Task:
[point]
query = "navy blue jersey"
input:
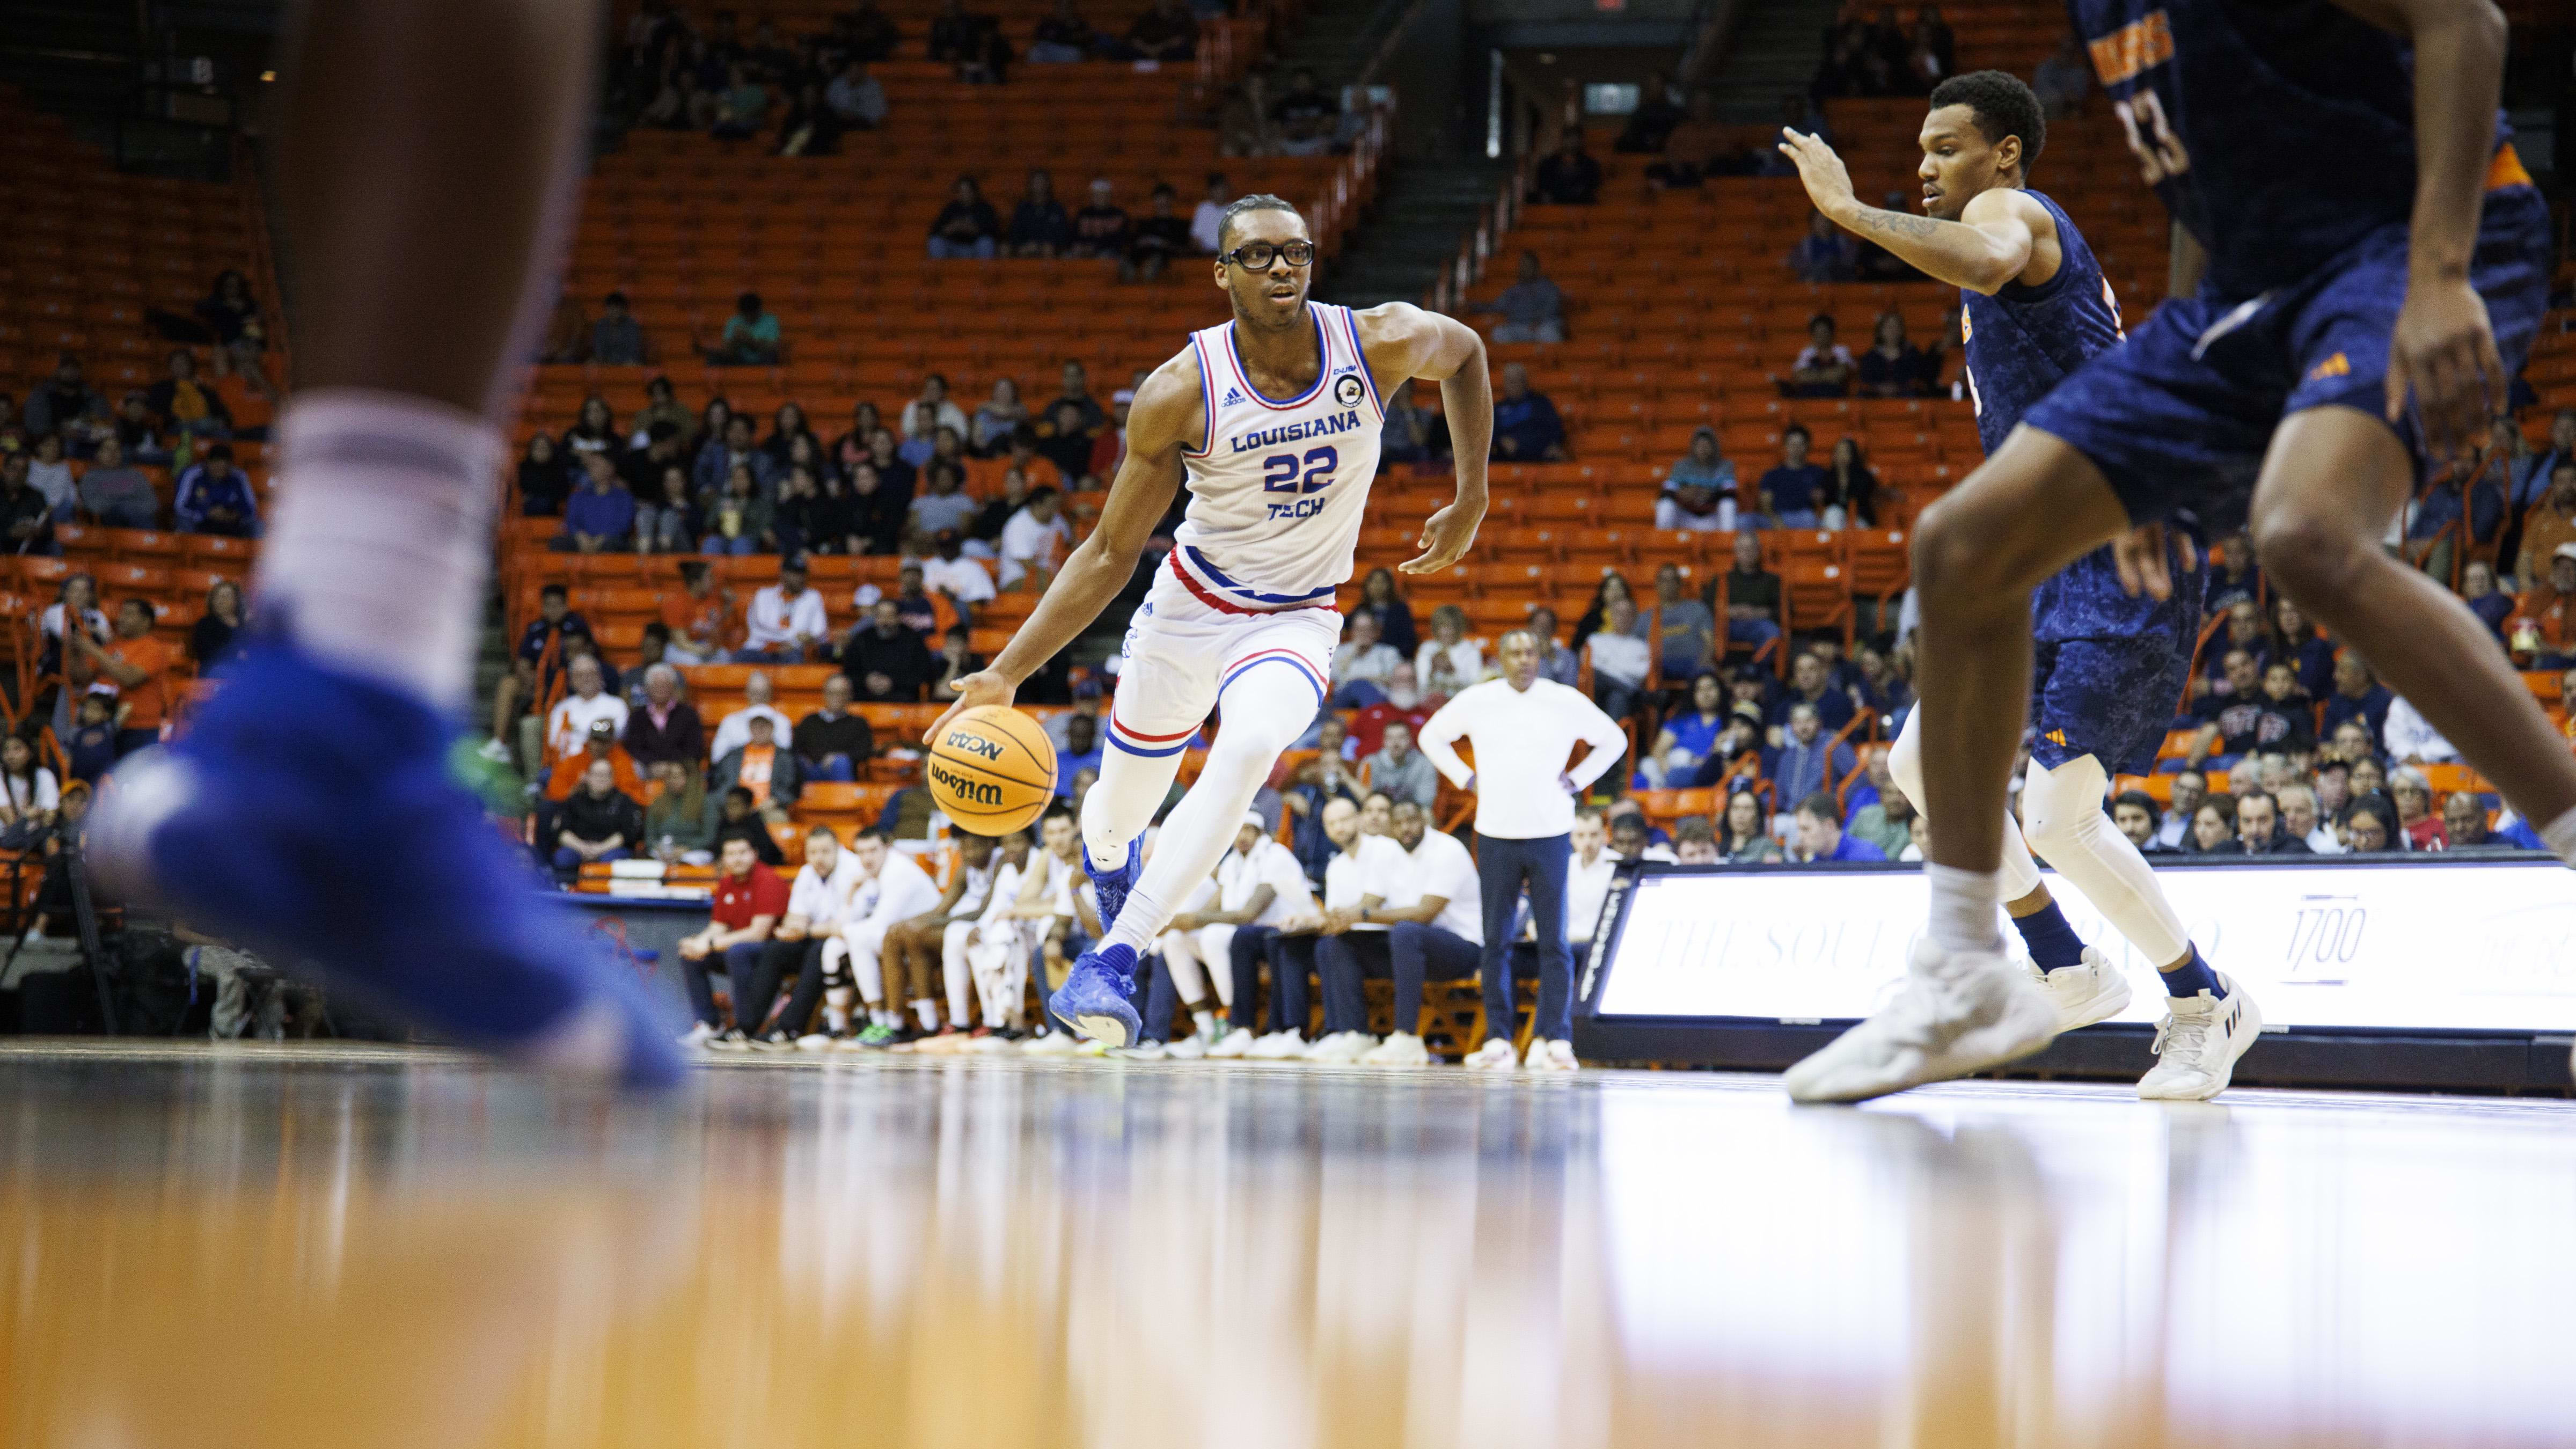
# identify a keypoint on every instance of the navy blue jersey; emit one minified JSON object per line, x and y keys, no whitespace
{"x":2280,"y":133}
{"x":2022,"y":340}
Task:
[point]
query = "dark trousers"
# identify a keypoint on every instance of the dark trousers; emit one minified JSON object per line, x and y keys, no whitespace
{"x":1342,"y":961}
{"x":741,"y":963}
{"x":777,"y":960}
{"x":1291,"y":958}
{"x":1421,"y":953}
{"x":1502,"y":866}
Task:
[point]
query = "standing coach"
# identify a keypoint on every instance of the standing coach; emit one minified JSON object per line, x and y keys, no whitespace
{"x":1524,"y":728}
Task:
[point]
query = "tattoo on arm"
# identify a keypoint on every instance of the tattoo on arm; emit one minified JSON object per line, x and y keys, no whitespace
{"x":1899,"y":223}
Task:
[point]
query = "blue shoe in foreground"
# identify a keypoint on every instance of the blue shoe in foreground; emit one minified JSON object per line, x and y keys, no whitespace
{"x":309,"y":815}
{"x":1112,"y":886}
{"x":1094,"y":997}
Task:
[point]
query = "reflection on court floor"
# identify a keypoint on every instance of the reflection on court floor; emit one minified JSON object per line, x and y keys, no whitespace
{"x":355,"y":1248}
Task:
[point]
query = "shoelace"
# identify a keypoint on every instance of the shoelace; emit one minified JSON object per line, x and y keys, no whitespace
{"x":2188,"y":1035}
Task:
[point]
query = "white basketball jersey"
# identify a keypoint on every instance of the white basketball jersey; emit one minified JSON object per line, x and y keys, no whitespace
{"x":1278,"y":487}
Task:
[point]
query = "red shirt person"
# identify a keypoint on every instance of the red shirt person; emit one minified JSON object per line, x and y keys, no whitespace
{"x":750,"y":900}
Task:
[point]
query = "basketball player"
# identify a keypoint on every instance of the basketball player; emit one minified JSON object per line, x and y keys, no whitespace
{"x":427,"y":173}
{"x":2367,"y":257}
{"x":2110,"y":666}
{"x":1273,"y":420}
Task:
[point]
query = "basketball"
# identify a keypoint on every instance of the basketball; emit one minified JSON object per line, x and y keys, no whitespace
{"x":992,"y":770}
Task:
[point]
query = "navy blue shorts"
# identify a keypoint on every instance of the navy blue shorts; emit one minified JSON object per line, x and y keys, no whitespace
{"x":2178,"y":417}
{"x":2113,"y":699}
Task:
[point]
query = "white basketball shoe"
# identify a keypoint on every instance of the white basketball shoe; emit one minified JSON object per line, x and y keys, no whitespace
{"x":2091,"y":990}
{"x":2198,"y":1042}
{"x":1958,"y":1012}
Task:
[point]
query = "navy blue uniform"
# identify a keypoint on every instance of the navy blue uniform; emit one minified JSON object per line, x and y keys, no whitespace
{"x":2281,"y":135}
{"x":2109,"y":666}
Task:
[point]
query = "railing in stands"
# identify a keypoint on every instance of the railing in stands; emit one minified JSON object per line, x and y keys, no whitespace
{"x":1229,"y":47}
{"x":1354,"y":182}
{"x":1468,"y":267}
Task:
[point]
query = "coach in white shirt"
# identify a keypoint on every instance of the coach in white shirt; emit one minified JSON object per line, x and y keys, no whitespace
{"x":568,"y":725}
{"x":815,"y":905}
{"x":786,"y":620}
{"x":1524,"y":728}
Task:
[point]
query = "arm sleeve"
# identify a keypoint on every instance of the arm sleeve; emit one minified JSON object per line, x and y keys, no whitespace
{"x":1597,"y":729}
{"x":1439,"y":737}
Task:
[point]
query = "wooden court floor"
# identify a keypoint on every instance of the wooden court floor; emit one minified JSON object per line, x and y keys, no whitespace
{"x":357,"y":1248}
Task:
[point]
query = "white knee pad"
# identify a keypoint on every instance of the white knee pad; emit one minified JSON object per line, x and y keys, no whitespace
{"x":2067,"y":823}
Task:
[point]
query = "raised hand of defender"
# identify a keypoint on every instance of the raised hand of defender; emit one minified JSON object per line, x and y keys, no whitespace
{"x":2445,"y":350}
{"x":1828,"y":181}
{"x":979,"y":688}
{"x":1445,"y":540}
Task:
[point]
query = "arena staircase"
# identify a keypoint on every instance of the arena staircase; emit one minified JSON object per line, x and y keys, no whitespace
{"x":1773,"y":54}
{"x":1422,"y":210}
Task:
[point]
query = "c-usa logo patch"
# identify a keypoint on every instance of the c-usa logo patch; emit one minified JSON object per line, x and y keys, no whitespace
{"x":1347,"y":391}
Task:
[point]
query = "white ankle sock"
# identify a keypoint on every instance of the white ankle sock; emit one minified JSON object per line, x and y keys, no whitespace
{"x":928,"y":1013}
{"x":2560,"y":835}
{"x":383,"y":536}
{"x":1965,"y":908}
{"x":1205,"y":1021}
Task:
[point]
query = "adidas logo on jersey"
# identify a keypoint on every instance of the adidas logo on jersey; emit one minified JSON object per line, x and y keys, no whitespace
{"x":1233,"y":397}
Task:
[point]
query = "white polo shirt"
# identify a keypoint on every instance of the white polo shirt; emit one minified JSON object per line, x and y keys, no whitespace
{"x":1442,"y":867}
{"x":1270,"y":864}
{"x":1375,"y":866}
{"x":1523,"y":738}
{"x":823,"y":900}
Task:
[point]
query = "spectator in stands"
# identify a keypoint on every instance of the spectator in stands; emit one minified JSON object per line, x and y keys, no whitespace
{"x":1399,"y":771}
{"x":26,"y":519}
{"x":1304,"y":117}
{"x":1039,"y":226}
{"x":734,"y":730}
{"x":742,"y":106}
{"x":1163,"y":235}
{"x":1695,"y":841}
{"x":1569,"y":176}
{"x":665,"y":726}
{"x":1401,"y":701}
{"x":1555,"y":661}
{"x":2302,"y":821}
{"x":1741,"y":837}
{"x":1821,"y":836}
{"x":2259,"y":830}
{"x":1363,"y":666}
{"x":1651,"y":124}
{"x":185,"y":404}
{"x":64,"y":403}
{"x":854,"y":99}
{"x":134,"y":426}
{"x":232,"y":313}
{"x":2368,"y":828}
{"x":599,"y":823}
{"x":2412,"y":794}
{"x":680,"y":824}
{"x":29,"y":794}
{"x":1532,"y":309}
{"x":750,"y":900}
{"x":567,"y":334}
{"x":1687,"y":738}
{"x":139,"y":666}
{"x":834,"y":742}
{"x":1823,"y":367}
{"x":750,"y":338}
{"x":2288,"y":722}
{"x":2230,"y":717}
{"x":763,"y":766}
{"x":600,"y":516}
{"x":1808,"y":758}
{"x":1619,"y":660}
{"x":2477,"y":590}
{"x":2310,"y":654}
{"x":1929,"y":52}
{"x":1394,"y":616}
{"x":886,"y":662}
{"x":2543,"y":632}
{"x":214,"y":497}
{"x":956,"y":660}
{"x":1101,"y":228}
{"x":1850,"y":494}
{"x":1688,"y":642}
{"x":617,"y":339}
{"x":866,"y":32}
{"x":115,"y":494}
{"x":2213,"y":827}
{"x":1166,"y":33}
{"x":1613,"y":585}
{"x":545,"y":480}
{"x":2358,"y":694}
{"x":1824,"y":254}
{"x":1410,"y":434}
{"x":213,"y":641}
{"x":1699,"y":489}
{"x":590,"y":702}
{"x":1448,"y":661}
{"x":1207,"y":219}
{"x":1789,"y":492}
{"x":2464,"y":824}
{"x":1526,"y":426}
{"x":739,"y":521}
{"x":966,"y":227}
{"x":989,"y":430}
{"x":1063,"y":37}
{"x":49,"y":472}
{"x":1034,"y":542}
{"x":2134,"y":812}
{"x":699,"y":616}
{"x":2063,"y":79}
{"x":1894,"y":367}
{"x":786,"y":622}
{"x":972,"y":43}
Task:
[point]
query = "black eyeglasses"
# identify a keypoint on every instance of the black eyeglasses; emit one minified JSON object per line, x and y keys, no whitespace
{"x":1257,"y":256}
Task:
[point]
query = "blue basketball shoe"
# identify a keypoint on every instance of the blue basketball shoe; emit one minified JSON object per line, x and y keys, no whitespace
{"x":309,"y":814}
{"x":1096,"y":999}
{"x":1112,"y":886}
